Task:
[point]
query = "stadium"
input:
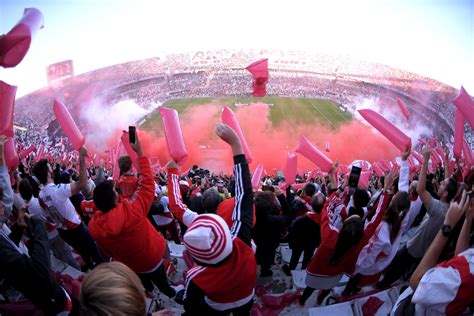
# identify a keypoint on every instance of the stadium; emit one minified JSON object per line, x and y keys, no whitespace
{"x":304,"y":89}
{"x":309,"y":178}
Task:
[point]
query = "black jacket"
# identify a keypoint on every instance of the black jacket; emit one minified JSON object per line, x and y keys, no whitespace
{"x":32,"y":275}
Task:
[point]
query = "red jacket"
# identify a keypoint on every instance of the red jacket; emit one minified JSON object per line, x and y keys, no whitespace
{"x":331,"y":223}
{"x":128,"y":184}
{"x":226,"y":208}
{"x":125,"y":233}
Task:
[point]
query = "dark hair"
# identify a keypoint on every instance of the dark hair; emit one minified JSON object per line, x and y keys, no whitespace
{"x":26,"y":190}
{"x":210,"y":200}
{"x":360,"y":198}
{"x":65,"y":177}
{"x":298,"y":206}
{"x":451,"y":188}
{"x":156,"y":208}
{"x":350,"y":235}
{"x":396,"y":211}
{"x":265,"y":205}
{"x":317,"y":202}
{"x":309,"y":189}
{"x":104,"y":196}
{"x":40,"y":170}
{"x":124,"y":163}
{"x":356,"y":211}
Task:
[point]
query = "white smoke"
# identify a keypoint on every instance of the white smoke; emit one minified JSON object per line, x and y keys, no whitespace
{"x":104,"y":120}
{"x":413,"y":127}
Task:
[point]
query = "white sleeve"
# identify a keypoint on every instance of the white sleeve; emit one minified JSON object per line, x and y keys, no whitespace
{"x":437,"y":288}
{"x":415,"y":207}
{"x":379,"y":243}
{"x":7,"y":198}
{"x":404,"y":177}
{"x":64,"y":191}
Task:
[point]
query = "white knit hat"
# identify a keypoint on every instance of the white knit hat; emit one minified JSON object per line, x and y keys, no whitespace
{"x":208,"y":239}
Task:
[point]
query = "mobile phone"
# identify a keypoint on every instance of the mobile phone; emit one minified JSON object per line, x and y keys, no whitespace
{"x":354,"y":177}
{"x":131,"y":134}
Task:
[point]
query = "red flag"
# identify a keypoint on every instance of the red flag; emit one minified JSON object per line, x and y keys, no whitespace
{"x":458,"y":134}
{"x":466,"y":105}
{"x":403,"y":108}
{"x":390,"y":131}
{"x":259,"y":71}
{"x":7,"y":104}
{"x":15,"y":44}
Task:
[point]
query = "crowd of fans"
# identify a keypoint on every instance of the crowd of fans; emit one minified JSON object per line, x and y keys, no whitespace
{"x":221,"y":73}
{"x":411,"y":229}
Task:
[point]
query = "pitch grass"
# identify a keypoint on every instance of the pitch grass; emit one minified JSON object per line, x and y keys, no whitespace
{"x":297,"y":110}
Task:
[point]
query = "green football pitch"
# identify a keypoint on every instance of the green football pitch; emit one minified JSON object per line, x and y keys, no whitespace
{"x":295,"y":110}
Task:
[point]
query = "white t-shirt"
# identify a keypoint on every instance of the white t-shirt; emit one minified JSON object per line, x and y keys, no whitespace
{"x":34,"y":208}
{"x":59,"y":208}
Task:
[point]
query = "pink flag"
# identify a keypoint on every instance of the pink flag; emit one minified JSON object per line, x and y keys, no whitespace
{"x":259,"y":71}
{"x":468,"y":159}
{"x":291,"y":166}
{"x":417,"y":156}
{"x":403,"y":108}
{"x":315,"y":155}
{"x":174,"y":135}
{"x":435,"y":158}
{"x":377,"y":170}
{"x":440,"y":152}
{"x":228,"y":117}
{"x":68,"y":125}
{"x":27,"y":151}
{"x":390,"y":131}
{"x":11,"y":155}
{"x":257,"y":175}
{"x":40,"y":153}
{"x":458,"y":134}
{"x":7,"y":105}
{"x":15,"y":44}
{"x":466,"y":105}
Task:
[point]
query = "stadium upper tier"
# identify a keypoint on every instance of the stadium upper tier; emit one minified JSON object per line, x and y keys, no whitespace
{"x":222,"y":73}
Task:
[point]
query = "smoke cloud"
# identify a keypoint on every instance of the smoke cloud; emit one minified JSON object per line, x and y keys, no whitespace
{"x":269,"y":144}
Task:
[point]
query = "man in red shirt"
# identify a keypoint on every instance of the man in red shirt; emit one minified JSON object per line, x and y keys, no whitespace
{"x":127,"y":182}
{"x":223,"y":281}
{"x":124,"y":232}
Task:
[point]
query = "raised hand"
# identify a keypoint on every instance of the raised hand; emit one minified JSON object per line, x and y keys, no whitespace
{"x":389,"y":179}
{"x":406,"y":154}
{"x":228,"y":135}
{"x":456,"y":210}
{"x":137,"y":146}
{"x":426,"y":152}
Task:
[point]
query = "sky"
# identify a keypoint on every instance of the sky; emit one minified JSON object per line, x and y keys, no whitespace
{"x":433,"y":38}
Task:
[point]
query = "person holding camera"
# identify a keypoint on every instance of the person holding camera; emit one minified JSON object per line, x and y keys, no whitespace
{"x":123,"y":231}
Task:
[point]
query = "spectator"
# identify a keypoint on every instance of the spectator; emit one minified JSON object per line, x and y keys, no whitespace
{"x":55,"y":199}
{"x":223,"y":281}
{"x":123,"y":231}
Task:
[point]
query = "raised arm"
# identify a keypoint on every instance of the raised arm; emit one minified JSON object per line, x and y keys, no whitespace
{"x":176,"y":204}
{"x":404,"y":178}
{"x":463,"y":239}
{"x":5,"y":187}
{"x":82,"y":183}
{"x":431,"y":256}
{"x":447,"y":170}
{"x":145,"y":193}
{"x":424,"y":195}
{"x":242,"y":215}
